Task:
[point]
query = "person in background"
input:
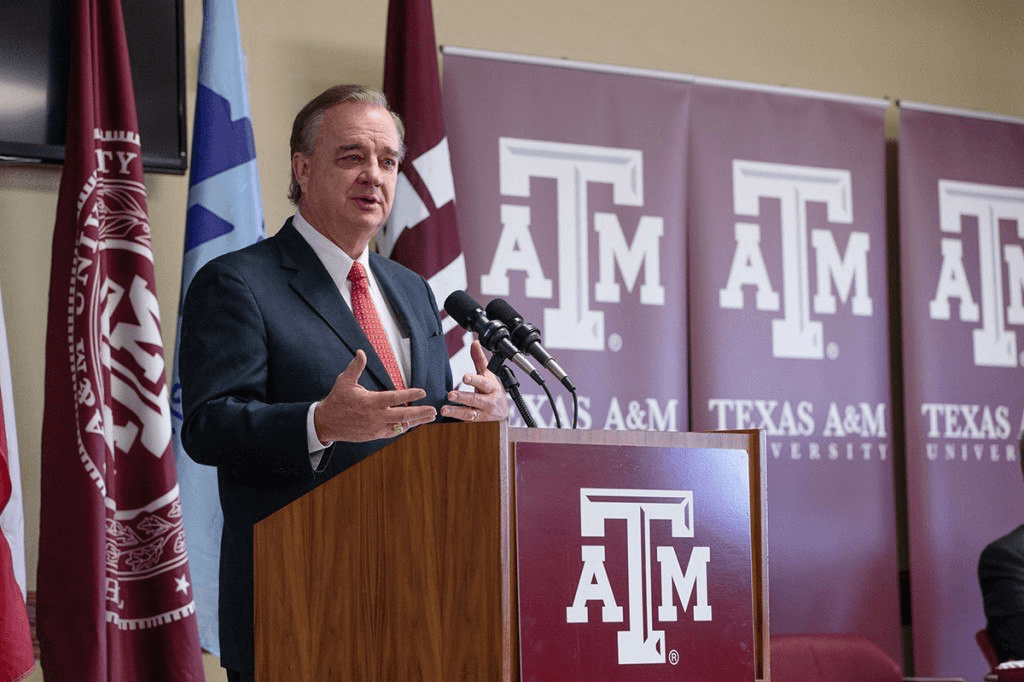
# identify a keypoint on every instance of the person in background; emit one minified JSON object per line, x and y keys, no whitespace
{"x":1001,"y":576}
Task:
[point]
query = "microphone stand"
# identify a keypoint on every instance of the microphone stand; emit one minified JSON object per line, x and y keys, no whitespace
{"x":511,"y":384}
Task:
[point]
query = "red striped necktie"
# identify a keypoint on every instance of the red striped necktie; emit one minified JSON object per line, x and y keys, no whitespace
{"x":366,"y":315}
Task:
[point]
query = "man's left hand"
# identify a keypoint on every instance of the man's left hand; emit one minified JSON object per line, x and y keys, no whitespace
{"x":487,"y":403}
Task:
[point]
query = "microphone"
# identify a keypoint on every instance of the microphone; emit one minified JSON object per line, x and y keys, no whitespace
{"x":493,"y":335}
{"x":526,"y":337}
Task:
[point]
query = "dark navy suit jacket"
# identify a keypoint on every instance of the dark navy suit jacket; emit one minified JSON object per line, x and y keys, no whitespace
{"x":1001,"y":576}
{"x":265,"y":333}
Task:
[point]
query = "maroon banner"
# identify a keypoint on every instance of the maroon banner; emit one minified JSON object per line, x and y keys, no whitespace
{"x":422,"y":232}
{"x":114,"y":593}
{"x":962,"y":276}
{"x":571,"y":188}
{"x":789,"y":309}
{"x":633,"y":563}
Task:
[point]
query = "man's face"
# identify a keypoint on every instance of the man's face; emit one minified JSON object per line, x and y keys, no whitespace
{"x":348,"y":184}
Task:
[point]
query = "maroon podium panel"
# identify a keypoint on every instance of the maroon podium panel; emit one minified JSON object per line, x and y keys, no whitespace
{"x":634,"y":563}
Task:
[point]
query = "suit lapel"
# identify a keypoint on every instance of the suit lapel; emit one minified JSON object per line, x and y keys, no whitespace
{"x":312,"y":282}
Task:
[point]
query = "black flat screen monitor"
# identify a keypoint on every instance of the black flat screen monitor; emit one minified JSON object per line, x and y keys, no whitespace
{"x":35,"y":59}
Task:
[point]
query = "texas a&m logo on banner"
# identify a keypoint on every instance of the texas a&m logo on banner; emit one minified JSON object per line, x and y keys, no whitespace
{"x":962,"y":205}
{"x":788,"y":273}
{"x":839,"y":275}
{"x":998,"y":265}
{"x":634,"y":265}
{"x":979,"y":284}
{"x":576,"y":300}
{"x":633,"y":563}
{"x":798,"y":254}
{"x":580,"y":224}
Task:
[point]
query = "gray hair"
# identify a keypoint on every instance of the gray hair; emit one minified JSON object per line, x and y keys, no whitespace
{"x":306,"y":127}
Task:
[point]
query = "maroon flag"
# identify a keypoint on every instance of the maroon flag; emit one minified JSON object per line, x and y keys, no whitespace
{"x":114,"y":593}
{"x":422,"y":232}
{"x":16,"y":657}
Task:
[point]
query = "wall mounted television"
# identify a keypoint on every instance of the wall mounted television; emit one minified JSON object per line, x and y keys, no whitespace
{"x":35,"y":59}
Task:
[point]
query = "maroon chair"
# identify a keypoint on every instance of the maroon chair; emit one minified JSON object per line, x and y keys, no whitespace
{"x":1010,"y":671}
{"x":988,"y":650}
{"x":831,"y":658}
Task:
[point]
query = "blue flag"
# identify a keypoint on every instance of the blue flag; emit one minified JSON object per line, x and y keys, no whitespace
{"x":224,"y":214}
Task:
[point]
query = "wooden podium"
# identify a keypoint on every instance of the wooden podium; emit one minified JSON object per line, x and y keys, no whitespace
{"x":403,"y":566}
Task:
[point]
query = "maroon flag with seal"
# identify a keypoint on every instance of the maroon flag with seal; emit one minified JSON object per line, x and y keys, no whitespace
{"x":422,"y":232}
{"x":114,"y":593}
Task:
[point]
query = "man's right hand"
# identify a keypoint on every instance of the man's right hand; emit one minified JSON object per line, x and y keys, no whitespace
{"x":350,"y":413}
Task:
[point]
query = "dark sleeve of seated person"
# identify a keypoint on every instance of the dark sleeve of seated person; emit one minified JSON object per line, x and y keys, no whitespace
{"x":1007,"y":636}
{"x":1001,"y":576}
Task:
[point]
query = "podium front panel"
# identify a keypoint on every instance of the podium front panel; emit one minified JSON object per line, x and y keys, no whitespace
{"x":634,"y":563}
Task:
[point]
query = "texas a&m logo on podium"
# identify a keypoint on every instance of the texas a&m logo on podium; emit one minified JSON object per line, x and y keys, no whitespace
{"x":634,"y":563}
{"x":640,"y":509}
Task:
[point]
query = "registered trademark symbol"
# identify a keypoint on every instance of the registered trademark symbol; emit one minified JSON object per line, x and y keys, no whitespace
{"x":832,"y":350}
{"x":614,"y":342}
{"x":673,"y":657}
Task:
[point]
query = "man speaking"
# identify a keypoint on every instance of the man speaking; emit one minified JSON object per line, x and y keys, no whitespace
{"x":302,"y":354}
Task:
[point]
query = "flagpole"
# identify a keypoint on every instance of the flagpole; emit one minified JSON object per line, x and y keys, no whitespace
{"x":224,"y":213}
{"x":422,"y":232}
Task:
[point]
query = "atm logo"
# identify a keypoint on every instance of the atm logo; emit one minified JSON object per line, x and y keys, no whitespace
{"x":572,"y":322}
{"x":795,"y":334}
{"x":640,"y":642}
{"x":963,"y":208}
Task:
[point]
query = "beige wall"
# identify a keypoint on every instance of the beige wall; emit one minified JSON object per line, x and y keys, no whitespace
{"x":956,"y":53}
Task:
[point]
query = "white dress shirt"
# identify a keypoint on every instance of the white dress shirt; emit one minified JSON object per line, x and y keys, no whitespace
{"x":338,"y":263}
